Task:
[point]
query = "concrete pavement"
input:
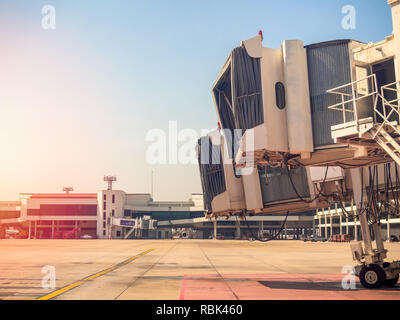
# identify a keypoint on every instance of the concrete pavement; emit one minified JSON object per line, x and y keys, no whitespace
{"x":180,"y":269}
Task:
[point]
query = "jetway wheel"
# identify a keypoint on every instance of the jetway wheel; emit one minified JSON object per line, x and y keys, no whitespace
{"x":372,"y":276}
{"x":392,"y":282}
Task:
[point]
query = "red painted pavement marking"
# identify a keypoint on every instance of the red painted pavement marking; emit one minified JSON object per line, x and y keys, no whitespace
{"x":210,"y":286}
{"x":277,"y":287}
{"x":183,"y":287}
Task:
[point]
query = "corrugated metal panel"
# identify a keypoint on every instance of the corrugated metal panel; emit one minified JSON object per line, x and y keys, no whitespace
{"x":211,"y":171}
{"x":276,"y":185}
{"x":328,"y":67}
{"x":246,"y":89}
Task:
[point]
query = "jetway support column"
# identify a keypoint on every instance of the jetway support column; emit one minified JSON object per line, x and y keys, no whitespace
{"x":355,"y":229}
{"x":237,"y":223}
{"x":319,"y":226}
{"x":361,"y":201}
{"x":313,"y":226}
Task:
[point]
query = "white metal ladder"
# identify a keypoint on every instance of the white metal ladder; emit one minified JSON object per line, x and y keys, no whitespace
{"x":129,"y":233}
{"x":386,"y":142}
{"x":378,"y":132}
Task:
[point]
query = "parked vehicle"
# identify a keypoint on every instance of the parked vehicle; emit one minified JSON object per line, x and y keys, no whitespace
{"x":314,"y":238}
{"x":87,"y":236}
{"x":340,"y":238}
{"x":66,"y":234}
{"x":14,"y":233}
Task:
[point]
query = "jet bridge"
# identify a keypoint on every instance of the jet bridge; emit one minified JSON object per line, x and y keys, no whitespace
{"x":331,"y":104}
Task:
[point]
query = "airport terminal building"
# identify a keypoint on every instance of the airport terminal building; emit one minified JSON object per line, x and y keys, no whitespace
{"x":106,"y":214}
{"x":115,"y":214}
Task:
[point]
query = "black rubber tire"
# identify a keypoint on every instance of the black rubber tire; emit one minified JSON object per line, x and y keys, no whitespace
{"x":392,"y":282}
{"x":372,"y":277}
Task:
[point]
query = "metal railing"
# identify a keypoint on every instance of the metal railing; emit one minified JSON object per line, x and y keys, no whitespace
{"x":363,"y":89}
{"x":394,"y":87}
{"x":371,"y":90}
{"x":388,"y":107}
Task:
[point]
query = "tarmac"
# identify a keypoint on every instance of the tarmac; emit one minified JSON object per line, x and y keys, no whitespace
{"x":182,"y":269}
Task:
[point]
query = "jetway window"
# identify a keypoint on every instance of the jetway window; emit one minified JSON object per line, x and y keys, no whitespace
{"x":280,"y":95}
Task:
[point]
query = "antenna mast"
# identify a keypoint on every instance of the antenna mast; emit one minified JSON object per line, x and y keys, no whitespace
{"x":110,"y":180}
{"x":67,"y":190}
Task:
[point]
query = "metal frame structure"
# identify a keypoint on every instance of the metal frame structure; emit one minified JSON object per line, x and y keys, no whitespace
{"x":370,"y":137}
{"x":372,"y":270}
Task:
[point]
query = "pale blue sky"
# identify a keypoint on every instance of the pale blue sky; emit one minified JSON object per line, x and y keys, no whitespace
{"x":76,"y":102}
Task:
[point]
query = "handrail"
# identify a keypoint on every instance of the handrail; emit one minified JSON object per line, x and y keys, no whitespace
{"x":351,"y":83}
{"x":389,"y":107}
{"x":355,"y":96}
{"x":395,"y":89}
{"x":393,"y":108}
{"x":385,"y":116}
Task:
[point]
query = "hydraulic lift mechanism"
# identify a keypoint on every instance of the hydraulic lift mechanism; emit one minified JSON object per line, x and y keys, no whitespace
{"x":372,"y":269}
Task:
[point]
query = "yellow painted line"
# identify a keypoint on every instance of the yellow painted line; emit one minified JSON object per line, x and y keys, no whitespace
{"x":91,"y":277}
{"x":61,"y":291}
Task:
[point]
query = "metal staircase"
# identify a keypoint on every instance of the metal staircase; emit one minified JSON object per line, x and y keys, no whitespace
{"x":130,"y":233}
{"x":382,"y":128}
{"x":386,"y":142}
